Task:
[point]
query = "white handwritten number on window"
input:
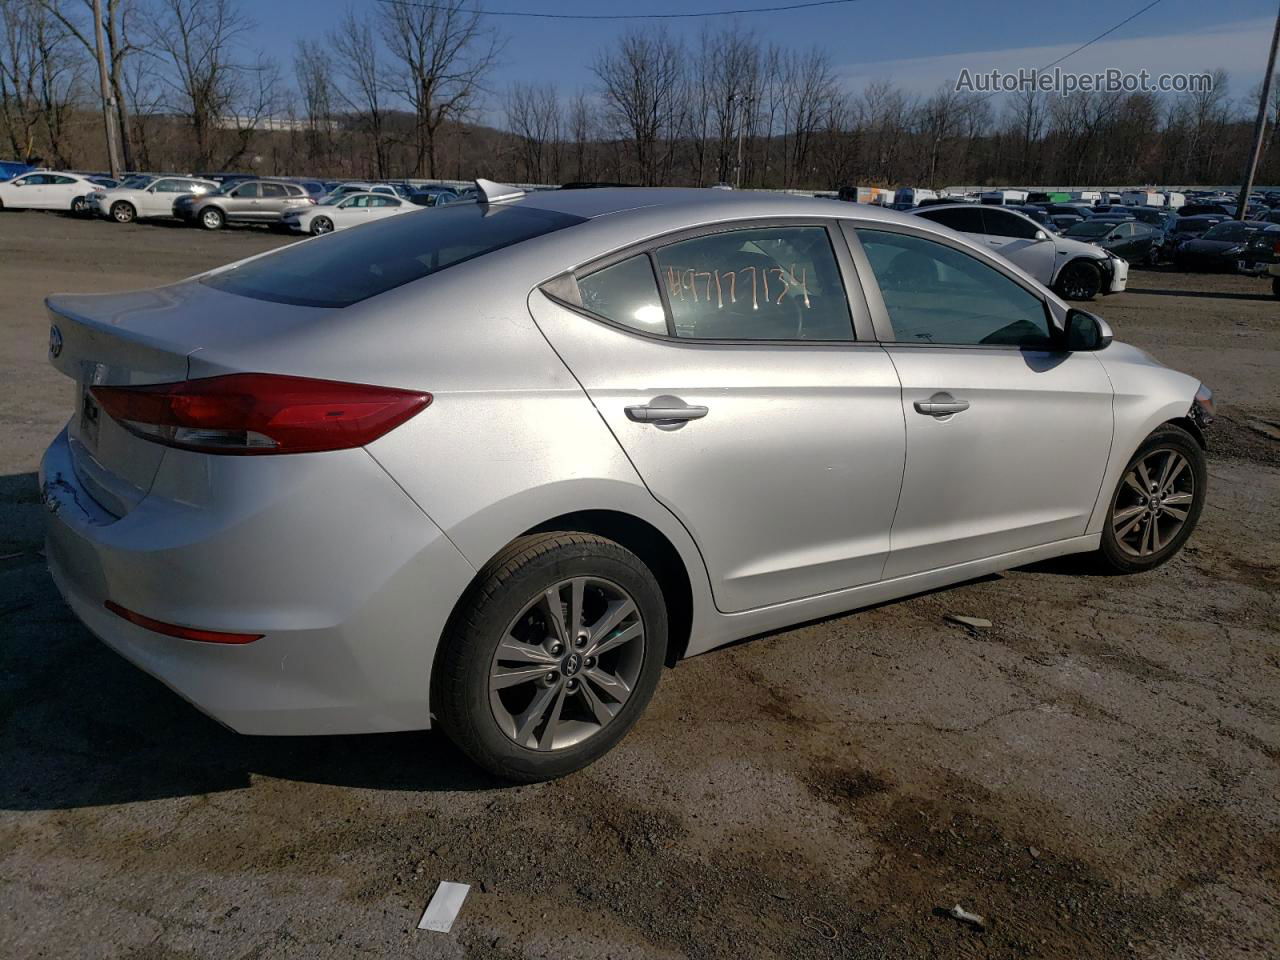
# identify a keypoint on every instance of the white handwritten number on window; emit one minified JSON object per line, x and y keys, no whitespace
{"x":685,"y":284}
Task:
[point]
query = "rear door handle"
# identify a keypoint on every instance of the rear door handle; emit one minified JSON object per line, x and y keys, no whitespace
{"x":665,"y":410}
{"x":941,"y":405}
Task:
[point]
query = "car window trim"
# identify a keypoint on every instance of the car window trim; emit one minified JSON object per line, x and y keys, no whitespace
{"x":880,"y":313}
{"x":861,"y":330}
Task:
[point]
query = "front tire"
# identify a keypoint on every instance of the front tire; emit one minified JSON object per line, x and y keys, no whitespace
{"x":1275,"y":287}
{"x":123,"y":212}
{"x":1156,"y":504}
{"x":551,"y":656}
{"x":321,"y":225}
{"x":211,"y":218}
{"x":1079,"y":280}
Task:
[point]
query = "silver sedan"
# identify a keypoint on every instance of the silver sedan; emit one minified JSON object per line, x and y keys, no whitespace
{"x":492,"y":466}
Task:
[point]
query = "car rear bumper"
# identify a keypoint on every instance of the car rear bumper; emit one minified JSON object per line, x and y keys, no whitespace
{"x":348,"y":582}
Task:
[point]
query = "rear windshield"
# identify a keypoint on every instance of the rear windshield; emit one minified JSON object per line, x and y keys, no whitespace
{"x":344,"y":268}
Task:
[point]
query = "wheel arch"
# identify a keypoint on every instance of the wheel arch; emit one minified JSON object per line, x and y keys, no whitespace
{"x":643,"y":539}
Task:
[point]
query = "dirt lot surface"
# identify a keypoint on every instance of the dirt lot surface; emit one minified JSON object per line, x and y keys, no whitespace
{"x":1097,"y":774}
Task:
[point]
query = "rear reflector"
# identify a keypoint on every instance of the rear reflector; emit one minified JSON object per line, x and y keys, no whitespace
{"x":255,"y":413}
{"x":182,"y":633}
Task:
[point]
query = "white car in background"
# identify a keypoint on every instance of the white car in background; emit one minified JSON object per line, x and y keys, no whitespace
{"x":341,"y":212}
{"x":143,"y":197}
{"x":45,"y":190}
{"x":1070,"y":268}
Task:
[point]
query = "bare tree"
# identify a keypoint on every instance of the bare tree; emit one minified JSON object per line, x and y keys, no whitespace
{"x":534,"y":117}
{"x":39,"y":79}
{"x":197,"y":40}
{"x":363,"y":89}
{"x":118,"y":17}
{"x":640,"y":82}
{"x":809,"y":91}
{"x":442,"y":52}
{"x":313,"y":71}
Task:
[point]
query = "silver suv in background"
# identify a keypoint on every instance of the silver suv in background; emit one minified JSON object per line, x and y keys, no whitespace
{"x":244,"y":201}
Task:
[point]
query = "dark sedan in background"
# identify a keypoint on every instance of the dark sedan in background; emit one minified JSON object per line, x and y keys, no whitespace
{"x":1130,"y":240}
{"x":1222,"y":247}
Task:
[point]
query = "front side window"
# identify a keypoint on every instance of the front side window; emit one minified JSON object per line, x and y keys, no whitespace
{"x":770,"y":283}
{"x":1000,"y":224}
{"x":936,"y":294}
{"x":248,"y":191}
{"x":626,"y":293}
{"x":168,"y":186}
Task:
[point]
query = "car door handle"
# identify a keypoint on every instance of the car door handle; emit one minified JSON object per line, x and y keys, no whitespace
{"x":665,"y":410}
{"x":941,"y":405}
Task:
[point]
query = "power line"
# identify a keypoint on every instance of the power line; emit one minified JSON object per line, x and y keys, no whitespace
{"x":1087,"y":43}
{"x":622,"y":16}
{"x":1105,"y":33}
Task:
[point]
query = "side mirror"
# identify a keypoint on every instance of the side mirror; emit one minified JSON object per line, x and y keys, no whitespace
{"x":1041,"y":235}
{"x":1086,"y":332}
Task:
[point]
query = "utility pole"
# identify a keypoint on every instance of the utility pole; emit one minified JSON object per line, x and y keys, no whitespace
{"x":108,"y":98}
{"x":1260,"y":127}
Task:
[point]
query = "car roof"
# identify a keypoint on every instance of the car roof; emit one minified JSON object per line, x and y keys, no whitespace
{"x":694,"y":202}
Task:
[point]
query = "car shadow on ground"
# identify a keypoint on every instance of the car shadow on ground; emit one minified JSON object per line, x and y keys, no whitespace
{"x":1202,"y":294}
{"x":82,"y":727}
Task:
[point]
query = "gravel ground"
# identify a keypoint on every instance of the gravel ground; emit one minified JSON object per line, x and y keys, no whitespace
{"x":1096,"y":774}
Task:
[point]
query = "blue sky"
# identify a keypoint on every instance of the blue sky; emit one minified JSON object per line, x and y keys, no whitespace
{"x":917,"y":44}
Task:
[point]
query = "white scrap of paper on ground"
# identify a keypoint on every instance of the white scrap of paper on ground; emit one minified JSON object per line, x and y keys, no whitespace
{"x":444,"y":906}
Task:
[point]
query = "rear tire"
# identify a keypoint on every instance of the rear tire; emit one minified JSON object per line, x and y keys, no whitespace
{"x":122,"y":211}
{"x":539,"y":713}
{"x":1079,"y":280}
{"x":79,"y":207}
{"x":211,"y":218}
{"x":1146,"y":526}
{"x":1275,"y":287}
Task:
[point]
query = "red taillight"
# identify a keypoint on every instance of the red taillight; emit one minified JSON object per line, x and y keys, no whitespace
{"x":182,"y":633}
{"x":252,"y":413}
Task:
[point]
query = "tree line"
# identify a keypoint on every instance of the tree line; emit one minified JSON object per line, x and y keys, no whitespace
{"x":401,"y":89}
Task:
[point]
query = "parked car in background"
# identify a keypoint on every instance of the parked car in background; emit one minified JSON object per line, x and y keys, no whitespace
{"x":1190,"y":228}
{"x":1073,"y":270}
{"x":1197,"y":209}
{"x":1064,"y":220}
{"x":1261,"y":251}
{"x":13,"y":168}
{"x":1135,"y":241}
{"x":431,"y":196}
{"x":349,"y":210}
{"x":242,"y":201}
{"x":145,"y":198}
{"x":46,"y":190}
{"x":310,"y":492}
{"x":1221,"y":247}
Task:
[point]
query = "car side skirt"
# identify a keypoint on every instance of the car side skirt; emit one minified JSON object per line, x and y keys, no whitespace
{"x":729,"y":627}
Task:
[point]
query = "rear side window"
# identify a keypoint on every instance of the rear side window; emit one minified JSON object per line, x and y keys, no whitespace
{"x":936,"y":294}
{"x":274,"y":190}
{"x":626,"y":293}
{"x":770,"y":283}
{"x":344,"y":268}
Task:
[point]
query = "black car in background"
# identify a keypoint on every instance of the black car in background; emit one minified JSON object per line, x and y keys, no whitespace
{"x":1197,"y":209}
{"x":1222,"y":247}
{"x":1262,"y":250}
{"x":1129,"y":239}
{"x":1037,"y":213}
{"x":1191,"y":228}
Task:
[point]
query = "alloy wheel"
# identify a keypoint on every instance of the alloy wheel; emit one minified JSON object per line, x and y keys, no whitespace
{"x":322,"y":225}
{"x":1153,"y":502}
{"x":567,"y":664}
